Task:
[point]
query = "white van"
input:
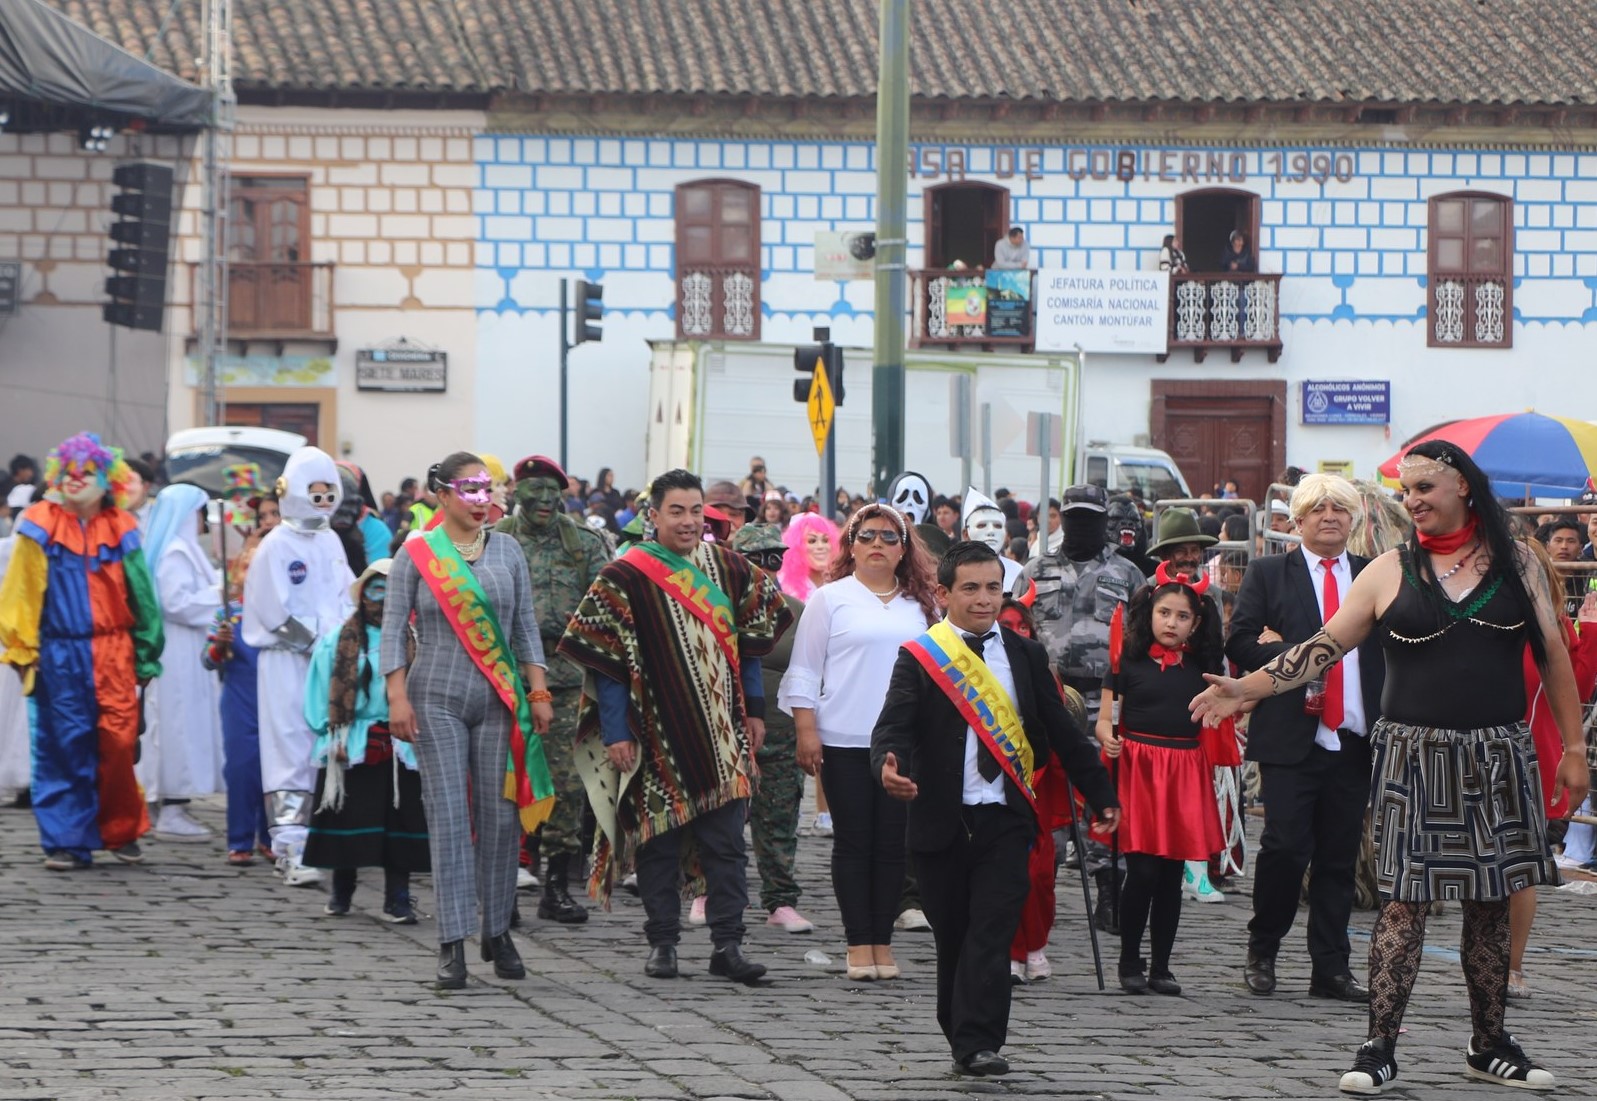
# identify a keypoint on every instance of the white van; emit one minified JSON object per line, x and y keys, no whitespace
{"x":1118,"y":467}
{"x":198,"y":455}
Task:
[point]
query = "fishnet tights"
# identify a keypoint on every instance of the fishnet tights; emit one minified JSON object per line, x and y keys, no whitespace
{"x":1395,"y":950}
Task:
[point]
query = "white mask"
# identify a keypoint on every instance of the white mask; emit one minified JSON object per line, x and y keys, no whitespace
{"x":911,"y":495}
{"x":305,"y":467}
{"x":986,"y":525}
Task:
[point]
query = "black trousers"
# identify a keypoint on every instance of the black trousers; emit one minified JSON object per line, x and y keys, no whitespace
{"x":719,"y":837}
{"x":867,"y":846}
{"x":1313,"y":814}
{"x":973,"y":892}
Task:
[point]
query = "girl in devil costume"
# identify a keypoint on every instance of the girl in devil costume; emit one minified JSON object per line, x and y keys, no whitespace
{"x":1165,"y":769}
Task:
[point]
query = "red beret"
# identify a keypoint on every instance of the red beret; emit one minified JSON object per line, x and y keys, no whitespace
{"x":534,"y":465}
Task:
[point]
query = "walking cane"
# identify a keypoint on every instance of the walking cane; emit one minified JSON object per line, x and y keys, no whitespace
{"x":1117,"y":632}
{"x":1086,"y":891}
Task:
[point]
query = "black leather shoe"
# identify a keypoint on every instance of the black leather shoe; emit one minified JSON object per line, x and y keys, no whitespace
{"x":1344,"y":988}
{"x":1163,"y":982}
{"x":557,"y":903}
{"x":452,"y":965}
{"x":729,"y":963}
{"x":507,"y":961}
{"x":1259,"y":974}
{"x":982,"y":1064}
{"x":662,"y":962}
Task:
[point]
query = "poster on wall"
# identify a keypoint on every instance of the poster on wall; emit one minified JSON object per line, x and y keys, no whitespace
{"x":1347,"y":401}
{"x":966,"y":303}
{"x":845,"y":254}
{"x":402,"y":369}
{"x":1103,"y":311}
{"x":1008,"y":303}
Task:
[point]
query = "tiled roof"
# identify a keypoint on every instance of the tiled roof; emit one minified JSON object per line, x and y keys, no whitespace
{"x":1071,"y":51}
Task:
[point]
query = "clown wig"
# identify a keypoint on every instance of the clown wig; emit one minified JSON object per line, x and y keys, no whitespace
{"x":795,"y":572}
{"x":85,"y":451}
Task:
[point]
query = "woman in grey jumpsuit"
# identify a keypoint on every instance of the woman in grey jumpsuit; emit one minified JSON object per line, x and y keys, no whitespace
{"x":459,"y":725}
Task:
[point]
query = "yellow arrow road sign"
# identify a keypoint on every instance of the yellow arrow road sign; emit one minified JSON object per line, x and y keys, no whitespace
{"x":820,"y":406}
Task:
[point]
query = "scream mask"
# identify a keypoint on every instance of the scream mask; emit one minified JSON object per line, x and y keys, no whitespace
{"x":911,"y":495}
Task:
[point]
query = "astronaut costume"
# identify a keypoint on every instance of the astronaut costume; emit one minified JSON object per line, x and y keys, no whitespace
{"x":982,"y":521}
{"x":297,"y":590}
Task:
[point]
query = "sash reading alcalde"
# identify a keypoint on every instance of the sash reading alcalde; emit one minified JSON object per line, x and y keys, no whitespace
{"x":470,"y":614}
{"x":686,"y":584}
{"x":971,"y":687}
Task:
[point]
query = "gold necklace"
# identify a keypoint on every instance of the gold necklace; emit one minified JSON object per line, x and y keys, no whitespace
{"x":471,"y":546}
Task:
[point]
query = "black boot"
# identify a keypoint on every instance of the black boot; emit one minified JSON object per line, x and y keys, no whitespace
{"x":342,"y":894}
{"x":557,"y":903}
{"x":452,"y":965}
{"x":1106,"y":915}
{"x":507,"y":961}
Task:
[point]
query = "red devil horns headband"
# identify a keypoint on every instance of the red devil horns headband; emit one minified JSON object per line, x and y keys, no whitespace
{"x":1162,"y":577}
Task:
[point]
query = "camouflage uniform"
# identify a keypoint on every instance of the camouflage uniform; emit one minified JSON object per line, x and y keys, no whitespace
{"x":774,"y":810}
{"x":1075,"y":601}
{"x":563,"y":558}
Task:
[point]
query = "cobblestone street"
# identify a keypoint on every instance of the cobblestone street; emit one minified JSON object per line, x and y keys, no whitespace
{"x":185,"y":978}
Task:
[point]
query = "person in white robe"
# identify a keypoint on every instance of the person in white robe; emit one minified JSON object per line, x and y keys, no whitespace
{"x":296,"y":591}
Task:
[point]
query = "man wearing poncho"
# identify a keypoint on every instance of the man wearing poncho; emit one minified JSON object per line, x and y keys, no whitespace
{"x":669,"y":638}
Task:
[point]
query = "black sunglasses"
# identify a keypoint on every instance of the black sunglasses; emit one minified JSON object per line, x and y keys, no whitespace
{"x":767,"y":560}
{"x":891,"y":538}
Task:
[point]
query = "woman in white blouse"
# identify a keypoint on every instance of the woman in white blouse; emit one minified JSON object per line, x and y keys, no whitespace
{"x":878,"y":596}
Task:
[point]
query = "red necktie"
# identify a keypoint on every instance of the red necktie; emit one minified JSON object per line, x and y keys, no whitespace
{"x":1333,"y":676}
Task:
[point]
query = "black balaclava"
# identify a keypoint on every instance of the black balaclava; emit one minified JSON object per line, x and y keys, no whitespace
{"x":1085,"y":530}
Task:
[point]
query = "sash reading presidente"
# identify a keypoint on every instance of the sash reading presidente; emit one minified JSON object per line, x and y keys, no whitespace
{"x":971,"y":687}
{"x":470,"y":614}
{"x":686,"y":584}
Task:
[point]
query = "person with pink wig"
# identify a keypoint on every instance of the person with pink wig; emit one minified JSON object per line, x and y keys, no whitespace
{"x":812,"y":539}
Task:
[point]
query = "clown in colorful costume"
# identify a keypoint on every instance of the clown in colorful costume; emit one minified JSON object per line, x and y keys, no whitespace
{"x":80,"y":623}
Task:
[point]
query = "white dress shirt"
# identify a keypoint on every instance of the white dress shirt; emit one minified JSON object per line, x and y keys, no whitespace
{"x":844,"y":649}
{"x":1352,"y":687}
{"x":977,"y":790}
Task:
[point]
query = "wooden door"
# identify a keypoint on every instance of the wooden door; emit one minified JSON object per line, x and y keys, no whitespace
{"x":1215,"y":439}
{"x":301,"y":417}
{"x":963,"y":221}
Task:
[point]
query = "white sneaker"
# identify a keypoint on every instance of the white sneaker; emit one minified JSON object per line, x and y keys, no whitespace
{"x":525,"y":880}
{"x":785,"y":917}
{"x":174,"y":824}
{"x":1037,"y":966}
{"x":823,"y":823}
{"x":1195,"y":883}
{"x":296,"y":874}
{"x":1017,"y":973}
{"x":911,"y":920}
{"x":696,"y":912}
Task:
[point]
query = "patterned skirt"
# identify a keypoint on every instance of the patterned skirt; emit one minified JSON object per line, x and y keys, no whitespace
{"x":1458,"y":813}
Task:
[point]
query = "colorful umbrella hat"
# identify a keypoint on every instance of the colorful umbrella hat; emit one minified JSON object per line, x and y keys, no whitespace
{"x":1524,"y":454}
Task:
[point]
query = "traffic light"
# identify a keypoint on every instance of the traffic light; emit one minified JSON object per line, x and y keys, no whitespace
{"x":144,"y":210}
{"x":590,"y":312}
{"x":804,"y":360}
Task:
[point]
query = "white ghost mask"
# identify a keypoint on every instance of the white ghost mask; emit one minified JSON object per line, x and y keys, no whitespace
{"x":911,"y":495}
{"x":983,"y":521}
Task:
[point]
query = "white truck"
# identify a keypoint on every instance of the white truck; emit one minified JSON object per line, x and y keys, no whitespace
{"x":714,"y":405}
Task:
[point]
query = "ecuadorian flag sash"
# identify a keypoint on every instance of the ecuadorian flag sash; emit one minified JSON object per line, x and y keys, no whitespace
{"x":970,"y":686}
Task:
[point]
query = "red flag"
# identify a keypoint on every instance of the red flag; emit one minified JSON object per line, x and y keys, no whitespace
{"x":1117,"y":637}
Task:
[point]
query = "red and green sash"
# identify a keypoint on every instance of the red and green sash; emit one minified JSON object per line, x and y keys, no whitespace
{"x":686,"y":584}
{"x":470,"y":614}
{"x":981,"y":701}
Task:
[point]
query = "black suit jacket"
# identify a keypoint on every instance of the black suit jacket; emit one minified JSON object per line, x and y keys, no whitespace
{"x":1278,"y":592}
{"x":926,"y":733}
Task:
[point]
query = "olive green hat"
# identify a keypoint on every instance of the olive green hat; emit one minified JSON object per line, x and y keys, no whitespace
{"x":1179,"y":525}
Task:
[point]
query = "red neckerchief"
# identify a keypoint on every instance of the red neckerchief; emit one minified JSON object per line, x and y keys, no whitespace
{"x":1452,"y":541}
{"x":1165,"y":656}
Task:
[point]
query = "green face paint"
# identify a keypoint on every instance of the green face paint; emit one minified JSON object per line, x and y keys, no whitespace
{"x":538,"y":500}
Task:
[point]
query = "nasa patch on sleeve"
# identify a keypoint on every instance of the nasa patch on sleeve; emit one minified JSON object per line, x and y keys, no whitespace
{"x":297,"y":572}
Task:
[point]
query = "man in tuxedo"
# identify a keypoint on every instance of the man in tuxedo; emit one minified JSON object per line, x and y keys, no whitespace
{"x":971,"y":819}
{"x":1313,"y":750}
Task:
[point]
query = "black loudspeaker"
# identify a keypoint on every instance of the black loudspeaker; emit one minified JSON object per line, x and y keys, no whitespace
{"x":144,"y":212}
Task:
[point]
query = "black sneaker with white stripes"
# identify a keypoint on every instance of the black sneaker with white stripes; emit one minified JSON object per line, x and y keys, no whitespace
{"x":1374,"y":1068}
{"x":1506,"y":1063}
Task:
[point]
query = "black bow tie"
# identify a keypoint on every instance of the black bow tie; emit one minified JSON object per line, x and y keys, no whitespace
{"x":977,"y":643}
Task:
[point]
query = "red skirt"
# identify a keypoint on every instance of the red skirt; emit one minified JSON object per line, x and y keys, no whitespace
{"x":1167,"y":799}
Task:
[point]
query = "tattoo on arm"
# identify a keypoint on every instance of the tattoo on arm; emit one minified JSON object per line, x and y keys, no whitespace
{"x":1303,"y":662}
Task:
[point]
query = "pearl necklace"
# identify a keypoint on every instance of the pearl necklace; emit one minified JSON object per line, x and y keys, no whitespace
{"x":890,"y":592}
{"x":471,"y":547}
{"x":1459,"y":564}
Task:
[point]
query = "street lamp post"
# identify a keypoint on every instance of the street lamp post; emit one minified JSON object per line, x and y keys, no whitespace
{"x":892,"y":183}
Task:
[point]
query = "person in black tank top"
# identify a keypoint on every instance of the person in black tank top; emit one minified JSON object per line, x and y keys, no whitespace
{"x":1459,"y":810}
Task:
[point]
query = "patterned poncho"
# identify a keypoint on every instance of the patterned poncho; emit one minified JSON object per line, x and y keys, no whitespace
{"x":686,"y":707}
